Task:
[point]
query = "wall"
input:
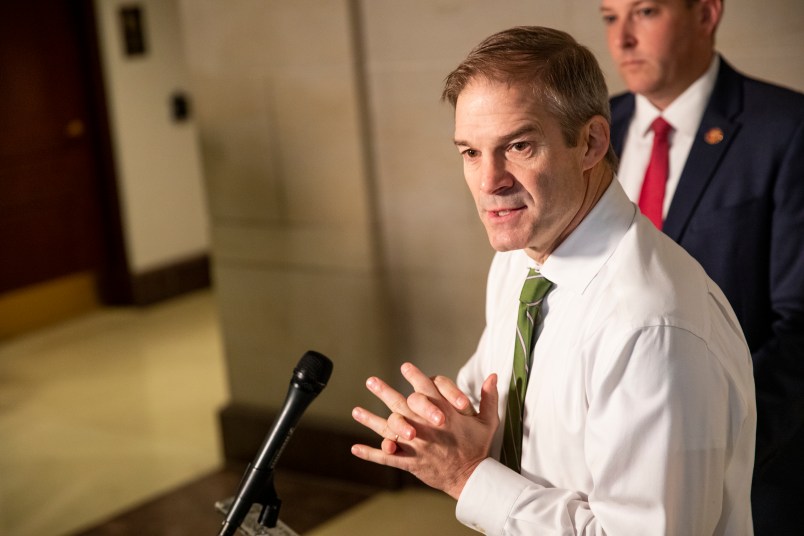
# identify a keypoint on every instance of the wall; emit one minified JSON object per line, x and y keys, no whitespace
{"x":294,"y":245}
{"x":158,"y":162}
{"x":337,"y":198}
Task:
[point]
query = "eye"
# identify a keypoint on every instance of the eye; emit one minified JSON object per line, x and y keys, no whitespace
{"x":469,"y":154}
{"x":608,"y":20}
{"x":647,"y":12}
{"x":520,"y":149}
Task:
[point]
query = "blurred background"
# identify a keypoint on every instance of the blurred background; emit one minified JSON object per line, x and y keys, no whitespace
{"x":195,"y":192}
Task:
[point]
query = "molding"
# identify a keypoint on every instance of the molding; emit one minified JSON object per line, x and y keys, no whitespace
{"x":36,"y":306}
{"x":170,"y":281}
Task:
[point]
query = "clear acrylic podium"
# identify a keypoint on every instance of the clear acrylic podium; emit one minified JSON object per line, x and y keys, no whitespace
{"x":250,"y":525}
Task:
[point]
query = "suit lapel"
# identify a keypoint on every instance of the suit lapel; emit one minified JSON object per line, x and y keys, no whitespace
{"x":715,"y":134}
{"x":622,"y":109}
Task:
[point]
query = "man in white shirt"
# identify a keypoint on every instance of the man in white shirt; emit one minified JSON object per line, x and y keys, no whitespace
{"x":639,"y":413}
{"x":733,"y":199}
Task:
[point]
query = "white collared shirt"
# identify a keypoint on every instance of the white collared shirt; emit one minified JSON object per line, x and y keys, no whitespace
{"x":684,"y":114}
{"x":640,"y":413}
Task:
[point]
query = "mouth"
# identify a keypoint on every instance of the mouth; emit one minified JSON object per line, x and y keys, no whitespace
{"x":502,"y":213}
{"x":632,"y":62}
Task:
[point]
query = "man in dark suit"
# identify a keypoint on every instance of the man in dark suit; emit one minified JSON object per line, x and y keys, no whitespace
{"x":733,"y":197}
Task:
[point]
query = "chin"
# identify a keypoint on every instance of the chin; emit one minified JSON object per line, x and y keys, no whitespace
{"x":504,"y":245}
{"x":507,"y":239}
{"x":638,"y":83}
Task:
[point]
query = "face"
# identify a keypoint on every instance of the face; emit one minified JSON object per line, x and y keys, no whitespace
{"x":660,"y":46}
{"x":528,"y":185}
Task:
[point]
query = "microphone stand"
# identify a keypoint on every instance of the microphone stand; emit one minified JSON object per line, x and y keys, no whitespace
{"x":267,"y":523}
{"x":257,"y":485}
{"x":261,"y":482}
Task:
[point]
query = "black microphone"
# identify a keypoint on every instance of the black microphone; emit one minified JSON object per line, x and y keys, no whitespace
{"x":257,"y":485}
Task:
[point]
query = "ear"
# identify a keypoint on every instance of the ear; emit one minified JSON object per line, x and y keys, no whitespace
{"x":710,"y":14}
{"x":596,"y":139}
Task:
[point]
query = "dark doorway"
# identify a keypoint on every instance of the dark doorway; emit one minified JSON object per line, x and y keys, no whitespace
{"x":58,"y":205}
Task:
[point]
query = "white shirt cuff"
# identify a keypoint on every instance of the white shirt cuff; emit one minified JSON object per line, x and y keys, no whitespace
{"x":489,"y":496}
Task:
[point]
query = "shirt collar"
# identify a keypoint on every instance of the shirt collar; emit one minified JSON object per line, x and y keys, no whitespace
{"x":577,"y":260}
{"x":686,"y":111}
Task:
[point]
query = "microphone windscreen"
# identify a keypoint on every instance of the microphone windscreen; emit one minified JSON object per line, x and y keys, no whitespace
{"x":312,"y":372}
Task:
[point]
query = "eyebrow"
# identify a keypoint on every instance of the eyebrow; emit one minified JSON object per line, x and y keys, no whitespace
{"x":527,"y":129}
{"x":604,"y":8}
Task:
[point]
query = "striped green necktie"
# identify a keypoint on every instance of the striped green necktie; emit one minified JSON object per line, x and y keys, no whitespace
{"x":530,"y":303}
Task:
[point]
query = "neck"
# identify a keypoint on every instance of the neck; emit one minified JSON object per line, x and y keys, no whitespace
{"x":598,"y":179}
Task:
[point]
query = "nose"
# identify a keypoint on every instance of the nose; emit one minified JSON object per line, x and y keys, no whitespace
{"x":622,"y":33}
{"x":494,"y":177}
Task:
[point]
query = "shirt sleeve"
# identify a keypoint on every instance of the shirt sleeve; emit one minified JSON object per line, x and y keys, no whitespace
{"x":497,"y":500}
{"x":662,"y":417}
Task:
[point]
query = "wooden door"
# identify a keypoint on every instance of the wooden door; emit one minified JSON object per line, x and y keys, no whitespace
{"x":50,"y":213}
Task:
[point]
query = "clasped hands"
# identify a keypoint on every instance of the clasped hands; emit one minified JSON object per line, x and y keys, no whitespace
{"x":434,"y":433}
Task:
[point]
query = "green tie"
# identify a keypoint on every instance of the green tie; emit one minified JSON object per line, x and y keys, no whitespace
{"x":530,"y":303}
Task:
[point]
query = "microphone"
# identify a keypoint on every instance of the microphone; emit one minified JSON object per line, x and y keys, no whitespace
{"x":257,"y":485}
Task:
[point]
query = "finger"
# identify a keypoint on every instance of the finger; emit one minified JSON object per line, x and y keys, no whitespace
{"x":400,"y":428}
{"x":453,"y":395}
{"x":364,"y":452}
{"x":374,"y":423}
{"x":424,"y":394}
{"x":389,"y":396}
{"x":488,"y":399}
{"x":421,"y":383}
{"x":389,"y":446}
{"x":424,"y":407}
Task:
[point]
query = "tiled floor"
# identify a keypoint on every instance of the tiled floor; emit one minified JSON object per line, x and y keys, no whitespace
{"x":104,"y":411}
{"x":108,"y":426}
{"x":307,"y":502}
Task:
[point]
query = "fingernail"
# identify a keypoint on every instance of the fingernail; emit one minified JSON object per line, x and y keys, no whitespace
{"x":356,"y":413}
{"x":371,"y":383}
{"x":355,"y":450}
{"x":436,"y":417}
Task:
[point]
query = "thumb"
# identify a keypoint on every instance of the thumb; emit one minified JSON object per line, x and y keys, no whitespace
{"x":488,"y":399}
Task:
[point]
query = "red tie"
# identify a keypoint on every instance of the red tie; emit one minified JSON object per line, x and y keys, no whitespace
{"x":651,"y":199}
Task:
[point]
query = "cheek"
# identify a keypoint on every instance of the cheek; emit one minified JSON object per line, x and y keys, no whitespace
{"x":469,"y":178}
{"x":556,"y":189}
{"x":611,"y":41}
{"x":661,"y":48}
{"x":541,"y":191}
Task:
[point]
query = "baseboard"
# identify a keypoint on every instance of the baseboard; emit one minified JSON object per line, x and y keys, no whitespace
{"x":34,"y":307}
{"x":313,"y":449}
{"x":170,"y":281}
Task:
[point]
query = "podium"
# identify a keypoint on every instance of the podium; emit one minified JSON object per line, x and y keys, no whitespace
{"x":250,"y":526}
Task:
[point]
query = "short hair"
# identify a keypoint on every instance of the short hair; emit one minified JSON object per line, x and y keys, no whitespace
{"x":563,"y":73}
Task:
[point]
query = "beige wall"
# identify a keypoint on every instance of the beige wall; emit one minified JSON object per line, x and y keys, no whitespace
{"x":337,"y":199}
{"x":295,"y":258}
{"x":162,"y":197}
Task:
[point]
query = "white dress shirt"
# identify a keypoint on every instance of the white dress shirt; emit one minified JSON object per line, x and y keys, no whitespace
{"x":640,"y":413}
{"x":684,"y":114}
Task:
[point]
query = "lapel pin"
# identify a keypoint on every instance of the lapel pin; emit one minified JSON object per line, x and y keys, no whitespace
{"x":713,"y":136}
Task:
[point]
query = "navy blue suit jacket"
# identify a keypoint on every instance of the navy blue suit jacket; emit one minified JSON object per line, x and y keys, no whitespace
{"x":739,"y":210}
